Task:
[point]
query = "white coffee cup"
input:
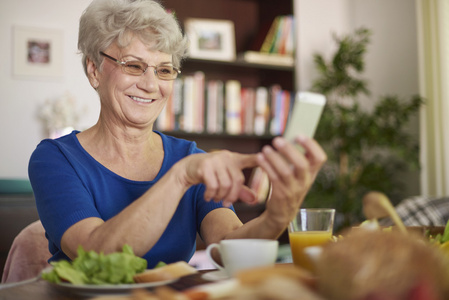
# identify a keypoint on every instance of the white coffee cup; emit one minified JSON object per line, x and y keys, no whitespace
{"x":239,"y":254}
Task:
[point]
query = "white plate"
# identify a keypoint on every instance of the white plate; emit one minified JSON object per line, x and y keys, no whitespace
{"x":215,"y":275}
{"x":95,"y":290}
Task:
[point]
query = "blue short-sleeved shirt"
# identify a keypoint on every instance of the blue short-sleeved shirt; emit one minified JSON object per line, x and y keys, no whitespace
{"x":70,"y":185}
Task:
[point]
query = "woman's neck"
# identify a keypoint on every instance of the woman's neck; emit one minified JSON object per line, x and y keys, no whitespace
{"x":129,"y":152}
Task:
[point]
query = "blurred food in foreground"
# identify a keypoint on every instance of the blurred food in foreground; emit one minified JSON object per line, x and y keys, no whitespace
{"x":441,"y":239}
{"x":374,"y":264}
{"x":364,"y":264}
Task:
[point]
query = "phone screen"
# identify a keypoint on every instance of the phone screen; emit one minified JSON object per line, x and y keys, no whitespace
{"x":305,"y":115}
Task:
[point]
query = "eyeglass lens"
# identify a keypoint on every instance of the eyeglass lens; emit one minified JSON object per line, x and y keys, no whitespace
{"x":165,"y":72}
{"x":138,"y":68}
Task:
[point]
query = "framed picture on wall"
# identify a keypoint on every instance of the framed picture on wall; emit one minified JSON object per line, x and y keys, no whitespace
{"x":37,"y":52}
{"x":211,"y":39}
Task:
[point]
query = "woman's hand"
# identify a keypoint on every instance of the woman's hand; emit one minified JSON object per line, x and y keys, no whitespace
{"x":291,"y":174}
{"x":221,"y":172}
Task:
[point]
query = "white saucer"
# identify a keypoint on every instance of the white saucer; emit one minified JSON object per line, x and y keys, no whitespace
{"x":215,"y":275}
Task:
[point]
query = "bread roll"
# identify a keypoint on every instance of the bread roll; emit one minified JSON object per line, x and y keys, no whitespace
{"x":167,"y":272}
{"x":368,"y":263}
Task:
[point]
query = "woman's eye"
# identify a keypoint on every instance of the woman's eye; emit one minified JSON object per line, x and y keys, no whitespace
{"x":165,"y":70}
{"x":134,"y":65}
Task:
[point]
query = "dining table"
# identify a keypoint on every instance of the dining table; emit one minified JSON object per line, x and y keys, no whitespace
{"x":40,"y":289}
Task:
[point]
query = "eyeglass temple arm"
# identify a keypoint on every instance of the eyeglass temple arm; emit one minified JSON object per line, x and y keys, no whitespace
{"x":111,"y":58}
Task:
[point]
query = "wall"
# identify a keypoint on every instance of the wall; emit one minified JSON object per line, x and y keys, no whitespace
{"x":20,"y":130}
{"x":317,"y":21}
{"x":391,"y":61}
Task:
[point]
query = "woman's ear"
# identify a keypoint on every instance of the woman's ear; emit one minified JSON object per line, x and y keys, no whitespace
{"x":92,"y":73}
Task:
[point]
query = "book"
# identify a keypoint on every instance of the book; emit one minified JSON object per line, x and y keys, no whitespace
{"x":188,"y":104}
{"x":261,"y":111}
{"x":198,"y":102}
{"x":220,"y":107}
{"x":233,"y":107}
{"x":290,"y":40}
{"x":278,"y":36}
{"x":211,"y":107}
{"x":177,"y":97}
{"x":285,"y":42}
{"x":248,"y":96}
{"x":284,"y":111}
{"x":214,"y":106}
{"x":268,"y":58}
{"x":275,"y":109}
{"x":271,"y":36}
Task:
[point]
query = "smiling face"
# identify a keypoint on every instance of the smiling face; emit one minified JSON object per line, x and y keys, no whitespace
{"x":130,"y":100}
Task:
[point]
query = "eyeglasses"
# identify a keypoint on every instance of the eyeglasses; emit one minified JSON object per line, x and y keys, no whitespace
{"x":137,"y":68}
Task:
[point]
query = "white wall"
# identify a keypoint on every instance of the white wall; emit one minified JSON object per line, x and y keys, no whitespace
{"x":316,"y":21}
{"x":20,"y":130}
{"x":391,"y":60}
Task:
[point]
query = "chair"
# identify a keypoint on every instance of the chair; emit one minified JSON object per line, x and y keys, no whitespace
{"x":28,"y":255}
{"x":422,"y":211}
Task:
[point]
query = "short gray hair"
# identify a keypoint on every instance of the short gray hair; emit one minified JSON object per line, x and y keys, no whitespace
{"x":107,"y":21}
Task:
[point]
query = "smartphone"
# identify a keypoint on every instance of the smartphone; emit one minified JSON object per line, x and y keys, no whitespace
{"x":305,"y":116}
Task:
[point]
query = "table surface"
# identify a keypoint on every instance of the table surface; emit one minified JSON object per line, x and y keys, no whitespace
{"x":43,"y":290}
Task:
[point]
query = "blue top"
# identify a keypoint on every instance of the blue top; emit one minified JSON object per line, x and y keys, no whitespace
{"x":70,"y":185}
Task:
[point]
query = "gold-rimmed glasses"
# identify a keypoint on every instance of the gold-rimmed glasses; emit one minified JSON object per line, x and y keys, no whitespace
{"x":137,"y":68}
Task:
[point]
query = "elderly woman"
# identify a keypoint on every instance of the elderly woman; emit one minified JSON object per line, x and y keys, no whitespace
{"x":120,"y":182}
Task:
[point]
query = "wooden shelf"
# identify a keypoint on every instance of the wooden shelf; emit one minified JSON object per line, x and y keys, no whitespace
{"x":249,"y":18}
{"x":184,"y":134}
{"x":238,"y":63}
{"x":238,"y":143}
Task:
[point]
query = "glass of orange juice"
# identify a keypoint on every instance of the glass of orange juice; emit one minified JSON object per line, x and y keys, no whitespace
{"x":310,"y":227}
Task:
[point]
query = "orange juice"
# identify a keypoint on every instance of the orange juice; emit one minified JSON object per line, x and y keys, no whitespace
{"x":302,"y":239}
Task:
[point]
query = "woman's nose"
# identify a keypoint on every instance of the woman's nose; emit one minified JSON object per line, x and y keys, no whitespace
{"x":149,"y":79}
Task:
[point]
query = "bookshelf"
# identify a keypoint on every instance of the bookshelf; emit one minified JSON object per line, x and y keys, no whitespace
{"x":242,"y":143}
{"x":251,"y":19}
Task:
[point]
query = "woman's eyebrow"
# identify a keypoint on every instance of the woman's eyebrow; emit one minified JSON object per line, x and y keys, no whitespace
{"x":141,"y":59}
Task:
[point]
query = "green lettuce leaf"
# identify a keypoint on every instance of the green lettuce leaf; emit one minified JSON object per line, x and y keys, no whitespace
{"x":445,"y":236}
{"x":97,"y":268}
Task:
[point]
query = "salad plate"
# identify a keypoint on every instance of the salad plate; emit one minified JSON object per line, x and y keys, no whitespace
{"x":95,"y":290}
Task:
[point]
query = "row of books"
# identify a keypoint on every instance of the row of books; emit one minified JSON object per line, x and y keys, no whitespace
{"x":276,"y":44}
{"x":280,"y":36}
{"x":225,"y":107}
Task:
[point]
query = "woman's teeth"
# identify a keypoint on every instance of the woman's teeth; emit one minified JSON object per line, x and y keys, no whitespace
{"x":141,"y":99}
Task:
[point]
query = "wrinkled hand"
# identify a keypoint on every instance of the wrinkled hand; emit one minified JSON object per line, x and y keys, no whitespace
{"x":291,"y":174}
{"x":221,"y":172}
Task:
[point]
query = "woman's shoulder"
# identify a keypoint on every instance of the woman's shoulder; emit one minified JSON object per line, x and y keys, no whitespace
{"x":172,"y":143}
{"x":64,"y":144}
{"x":66,"y":140}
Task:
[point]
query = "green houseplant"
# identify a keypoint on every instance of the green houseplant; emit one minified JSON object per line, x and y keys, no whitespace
{"x":366,"y":149}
